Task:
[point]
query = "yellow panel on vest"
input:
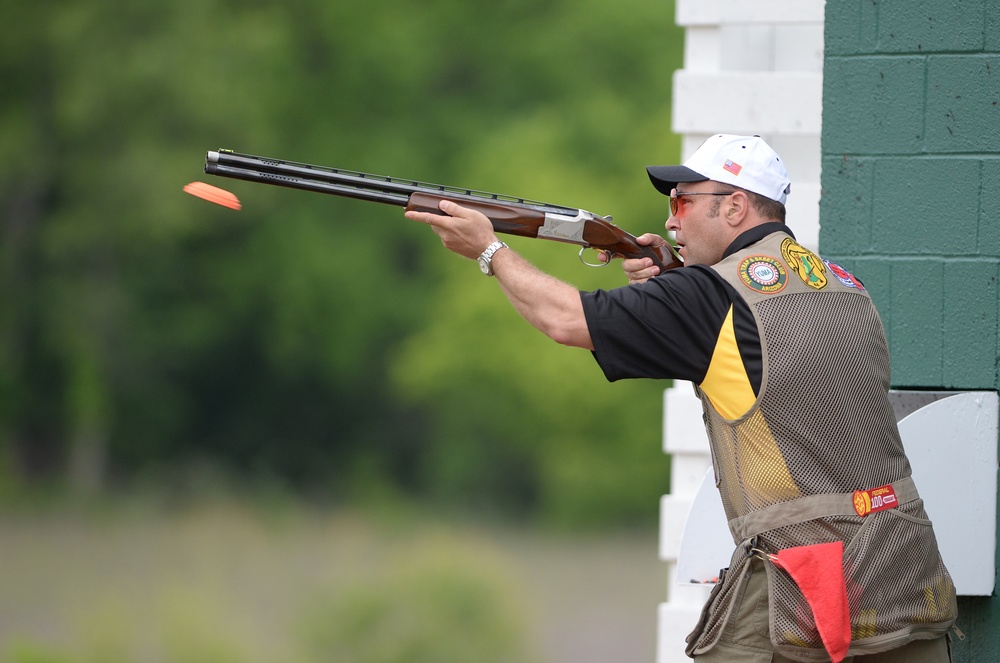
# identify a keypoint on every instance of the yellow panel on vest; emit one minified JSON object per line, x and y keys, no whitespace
{"x":726,"y":384}
{"x":762,"y":468}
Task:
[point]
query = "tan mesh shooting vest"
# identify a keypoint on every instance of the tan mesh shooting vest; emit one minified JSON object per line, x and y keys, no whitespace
{"x":788,"y":461}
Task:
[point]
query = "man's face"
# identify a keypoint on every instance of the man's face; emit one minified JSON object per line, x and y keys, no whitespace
{"x":701,"y":232}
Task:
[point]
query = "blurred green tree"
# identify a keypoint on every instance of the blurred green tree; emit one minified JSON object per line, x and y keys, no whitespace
{"x":320,"y":341}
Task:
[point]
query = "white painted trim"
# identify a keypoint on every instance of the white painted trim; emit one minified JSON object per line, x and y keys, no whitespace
{"x":748,"y":103}
{"x":778,"y":12}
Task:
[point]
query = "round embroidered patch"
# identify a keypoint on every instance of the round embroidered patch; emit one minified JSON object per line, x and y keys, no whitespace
{"x":844,"y":276}
{"x":763,"y":274}
{"x":862,"y":503}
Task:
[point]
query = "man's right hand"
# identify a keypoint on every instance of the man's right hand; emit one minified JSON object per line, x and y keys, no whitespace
{"x":639,"y":270}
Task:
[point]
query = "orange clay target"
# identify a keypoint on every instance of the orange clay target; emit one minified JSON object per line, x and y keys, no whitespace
{"x":213,"y":194}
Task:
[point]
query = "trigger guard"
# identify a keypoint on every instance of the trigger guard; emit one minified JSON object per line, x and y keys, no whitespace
{"x":607,"y":254}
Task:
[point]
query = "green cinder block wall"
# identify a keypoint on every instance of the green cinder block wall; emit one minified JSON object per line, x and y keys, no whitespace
{"x":911,"y":197}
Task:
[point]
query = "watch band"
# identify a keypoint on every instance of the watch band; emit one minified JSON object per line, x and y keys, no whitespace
{"x":486,"y":258}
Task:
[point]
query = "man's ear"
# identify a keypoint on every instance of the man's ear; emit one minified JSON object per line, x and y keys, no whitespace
{"x":737,"y":208}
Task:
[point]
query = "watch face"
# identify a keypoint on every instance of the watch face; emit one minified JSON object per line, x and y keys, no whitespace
{"x":484,"y":265}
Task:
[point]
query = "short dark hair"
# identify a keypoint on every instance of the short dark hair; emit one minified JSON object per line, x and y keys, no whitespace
{"x":767,"y":208}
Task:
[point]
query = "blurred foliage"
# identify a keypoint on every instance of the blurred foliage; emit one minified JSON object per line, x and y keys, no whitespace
{"x":440,"y":607}
{"x":324,"y":343}
{"x":224,"y":582}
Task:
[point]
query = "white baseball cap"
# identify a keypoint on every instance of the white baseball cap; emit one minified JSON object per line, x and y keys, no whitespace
{"x":744,"y":161}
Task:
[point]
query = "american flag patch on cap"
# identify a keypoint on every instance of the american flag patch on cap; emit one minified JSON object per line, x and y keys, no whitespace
{"x":732,"y":167}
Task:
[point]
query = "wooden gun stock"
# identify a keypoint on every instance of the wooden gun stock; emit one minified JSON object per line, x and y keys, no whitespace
{"x":596,"y":232}
{"x":506,"y":219}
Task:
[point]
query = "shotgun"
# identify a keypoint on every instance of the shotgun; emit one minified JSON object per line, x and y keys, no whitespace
{"x":509,"y":215}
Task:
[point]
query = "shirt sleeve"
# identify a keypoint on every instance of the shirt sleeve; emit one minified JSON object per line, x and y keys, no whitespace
{"x":665,"y":328}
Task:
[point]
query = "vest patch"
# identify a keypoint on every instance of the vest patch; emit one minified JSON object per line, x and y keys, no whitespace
{"x":844,"y":276}
{"x":763,"y":274}
{"x":805,"y":263}
{"x":876,"y":499}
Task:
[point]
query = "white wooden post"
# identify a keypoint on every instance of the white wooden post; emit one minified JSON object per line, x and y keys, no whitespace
{"x":750,"y":67}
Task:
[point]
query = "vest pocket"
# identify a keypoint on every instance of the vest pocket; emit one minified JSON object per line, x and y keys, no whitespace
{"x":896,"y":582}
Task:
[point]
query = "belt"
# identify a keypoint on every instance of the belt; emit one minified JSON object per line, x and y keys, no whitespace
{"x":807,"y":508}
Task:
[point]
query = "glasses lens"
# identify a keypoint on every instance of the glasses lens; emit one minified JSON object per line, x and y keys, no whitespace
{"x":673,"y":202}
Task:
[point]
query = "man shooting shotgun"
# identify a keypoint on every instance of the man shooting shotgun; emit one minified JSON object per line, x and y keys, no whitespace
{"x":508,"y":215}
{"x":834,"y":554}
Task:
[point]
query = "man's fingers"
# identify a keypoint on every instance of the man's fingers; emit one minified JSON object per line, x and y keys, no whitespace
{"x":650,"y":239}
{"x":461,"y":229}
{"x":451,"y":211}
{"x":631,"y":265}
{"x":639,"y":269}
{"x":417,"y":216}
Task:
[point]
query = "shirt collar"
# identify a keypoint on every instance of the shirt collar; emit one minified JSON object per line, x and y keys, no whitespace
{"x":756,"y":234}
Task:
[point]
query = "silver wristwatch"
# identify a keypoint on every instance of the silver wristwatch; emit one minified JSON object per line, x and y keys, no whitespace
{"x":486,"y":258}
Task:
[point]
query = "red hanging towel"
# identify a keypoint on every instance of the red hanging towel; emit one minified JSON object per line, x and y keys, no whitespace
{"x":818,"y":570}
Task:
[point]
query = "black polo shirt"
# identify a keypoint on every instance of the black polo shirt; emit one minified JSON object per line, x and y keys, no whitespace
{"x":668,"y":327}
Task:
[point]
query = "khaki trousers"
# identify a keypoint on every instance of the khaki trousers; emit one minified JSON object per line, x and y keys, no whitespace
{"x":746,"y":638}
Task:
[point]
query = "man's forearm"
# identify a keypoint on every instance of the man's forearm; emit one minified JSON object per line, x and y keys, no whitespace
{"x":548,"y":304}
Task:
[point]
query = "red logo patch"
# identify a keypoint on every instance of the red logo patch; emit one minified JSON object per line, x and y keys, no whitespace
{"x":844,"y":276}
{"x":874,"y":500}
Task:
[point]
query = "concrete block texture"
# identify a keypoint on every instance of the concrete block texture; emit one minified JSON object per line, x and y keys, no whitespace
{"x":931,"y":26}
{"x":988,"y":234}
{"x":991,"y":38}
{"x":859,"y":27}
{"x":969,"y":319}
{"x":940,"y":315}
{"x":850,"y":28}
{"x":873,"y":105}
{"x":911,"y":103}
{"x":917,"y":318}
{"x":914,"y":212}
{"x":891,"y":205}
{"x":845,"y":205}
{"x":963,"y":103}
